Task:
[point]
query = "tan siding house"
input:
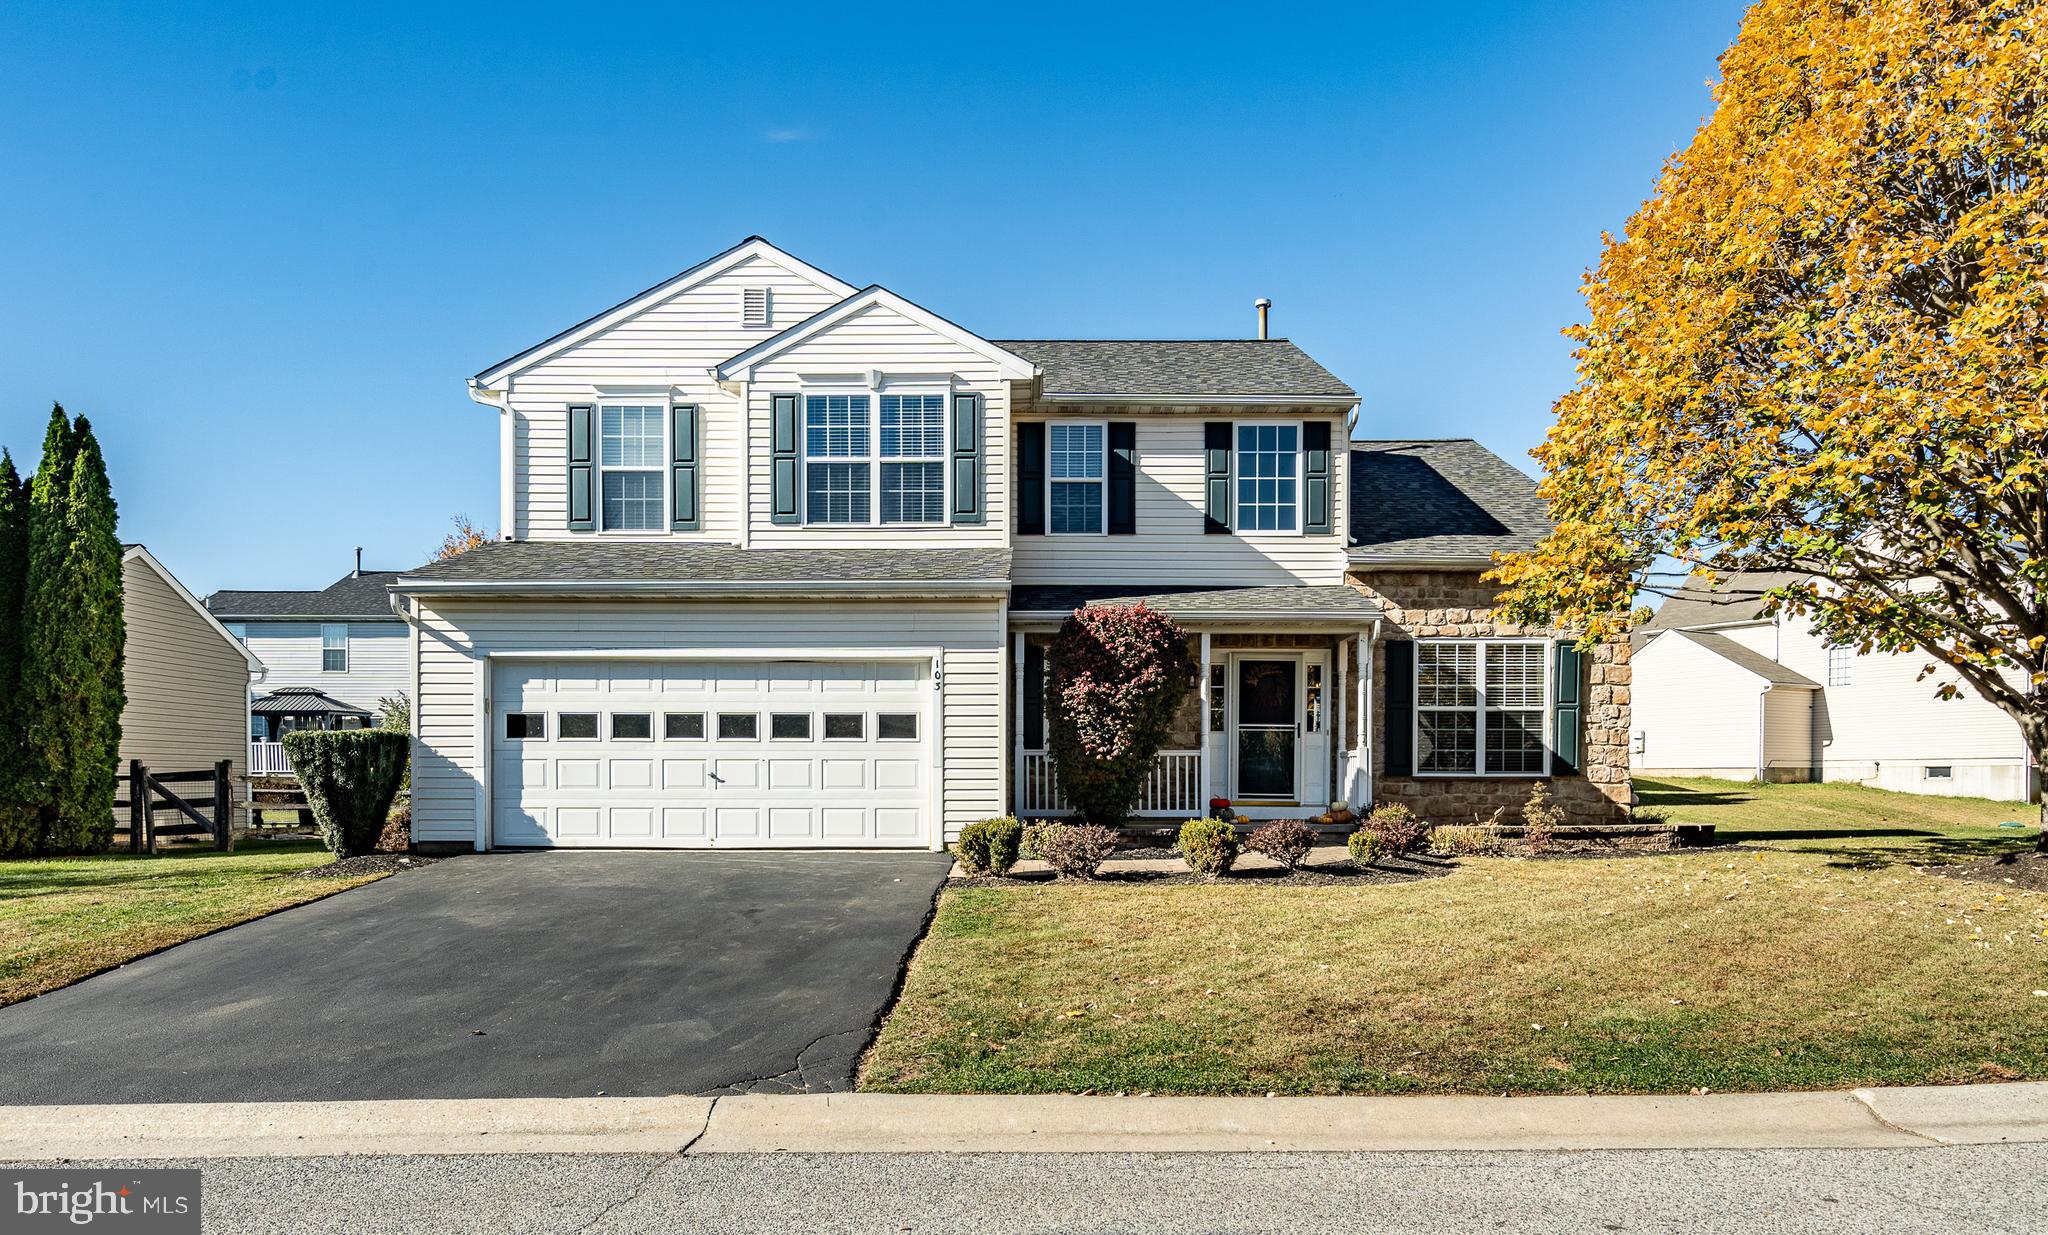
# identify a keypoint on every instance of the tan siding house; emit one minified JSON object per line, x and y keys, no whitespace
{"x":187,"y":680}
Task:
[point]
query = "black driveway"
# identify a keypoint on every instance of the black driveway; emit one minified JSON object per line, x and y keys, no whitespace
{"x":503,"y":975}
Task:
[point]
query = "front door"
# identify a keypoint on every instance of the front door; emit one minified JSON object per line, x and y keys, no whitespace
{"x":1268,"y":728}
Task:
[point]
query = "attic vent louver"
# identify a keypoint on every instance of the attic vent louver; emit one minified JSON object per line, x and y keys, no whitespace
{"x":754,"y":306}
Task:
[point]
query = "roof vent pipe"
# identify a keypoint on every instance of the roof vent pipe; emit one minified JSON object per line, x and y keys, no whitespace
{"x":359,"y":562}
{"x":1264,"y":306}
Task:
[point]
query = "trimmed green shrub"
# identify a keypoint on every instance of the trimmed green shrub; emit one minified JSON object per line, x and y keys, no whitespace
{"x":1286,"y":841}
{"x":1208,"y":846}
{"x":1077,"y":850}
{"x":990,"y":846}
{"x":1471,"y":839}
{"x":1366,"y":847}
{"x":350,"y":777}
{"x":1035,"y":833}
{"x":1397,"y":827}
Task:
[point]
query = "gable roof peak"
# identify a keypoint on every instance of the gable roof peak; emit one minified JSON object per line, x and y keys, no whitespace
{"x":740,"y":367}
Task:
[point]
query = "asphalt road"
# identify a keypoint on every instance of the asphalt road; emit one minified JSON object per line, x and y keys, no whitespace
{"x":1979,"y":1190}
{"x":503,"y":975}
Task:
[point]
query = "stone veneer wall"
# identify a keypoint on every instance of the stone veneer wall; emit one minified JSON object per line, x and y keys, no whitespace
{"x":1423,"y":604}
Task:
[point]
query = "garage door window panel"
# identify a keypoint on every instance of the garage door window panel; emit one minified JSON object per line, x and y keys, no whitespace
{"x":845,"y":726}
{"x":790,"y":726}
{"x":896,"y":726}
{"x":526,"y":727}
{"x":576,"y":726}
{"x":739,"y":726}
{"x":683,"y":726}
{"x":632,"y":726}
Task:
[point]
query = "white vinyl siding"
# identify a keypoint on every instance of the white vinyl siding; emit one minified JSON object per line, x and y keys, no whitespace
{"x":187,"y":688}
{"x":909,"y":360}
{"x":666,"y":351}
{"x":380,"y":660}
{"x":1695,"y":712}
{"x":969,"y":634}
{"x":1170,"y":546}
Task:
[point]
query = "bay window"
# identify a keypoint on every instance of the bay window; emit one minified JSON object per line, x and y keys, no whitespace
{"x":631,"y":460}
{"x":1482,"y":707}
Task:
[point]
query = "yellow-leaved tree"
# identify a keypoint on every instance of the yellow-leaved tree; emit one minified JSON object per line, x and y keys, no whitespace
{"x":1820,"y":348}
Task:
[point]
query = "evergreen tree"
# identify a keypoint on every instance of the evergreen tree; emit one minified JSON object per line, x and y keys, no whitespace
{"x":93,"y":582}
{"x":53,"y":659}
{"x":15,"y":832}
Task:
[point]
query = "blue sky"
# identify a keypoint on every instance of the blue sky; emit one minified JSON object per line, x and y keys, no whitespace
{"x":261,"y":245}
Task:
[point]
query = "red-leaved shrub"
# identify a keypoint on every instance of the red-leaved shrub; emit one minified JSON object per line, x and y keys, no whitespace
{"x":1286,"y":841}
{"x":1115,"y":676}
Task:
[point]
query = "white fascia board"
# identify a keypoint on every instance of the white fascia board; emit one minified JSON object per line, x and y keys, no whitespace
{"x":1334,"y":402}
{"x":138,"y":553}
{"x":741,"y":367}
{"x":752,"y":247}
{"x":690,"y":590}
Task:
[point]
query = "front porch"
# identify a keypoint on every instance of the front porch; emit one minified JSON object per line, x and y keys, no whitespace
{"x":1269,"y":724}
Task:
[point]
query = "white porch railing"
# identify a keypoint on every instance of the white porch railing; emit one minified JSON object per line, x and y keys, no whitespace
{"x":1174,"y":789}
{"x":267,"y":759}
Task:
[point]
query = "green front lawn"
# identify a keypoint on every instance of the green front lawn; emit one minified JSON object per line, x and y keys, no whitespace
{"x":1826,"y":962}
{"x":62,"y":919}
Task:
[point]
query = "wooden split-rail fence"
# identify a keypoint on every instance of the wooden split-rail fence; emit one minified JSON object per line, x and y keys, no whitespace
{"x":150,"y":792}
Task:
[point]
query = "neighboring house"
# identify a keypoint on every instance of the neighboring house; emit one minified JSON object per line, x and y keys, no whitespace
{"x":783,"y":555}
{"x":1726,"y":687}
{"x":332,"y":655}
{"x":187,"y":680}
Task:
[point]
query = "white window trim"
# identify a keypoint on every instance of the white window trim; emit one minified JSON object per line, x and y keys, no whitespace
{"x":1300,"y":481}
{"x":666,"y":402}
{"x":874,"y":389}
{"x":345,"y":649}
{"x":1479,"y":710}
{"x":1101,"y":485}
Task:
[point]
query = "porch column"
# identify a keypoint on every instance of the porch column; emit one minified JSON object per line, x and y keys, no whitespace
{"x":1017,"y":724}
{"x":1340,"y":754}
{"x":1202,"y":746}
{"x":1362,"y":753}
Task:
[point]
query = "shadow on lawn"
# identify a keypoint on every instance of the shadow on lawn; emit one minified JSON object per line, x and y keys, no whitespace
{"x":1851,"y":848}
{"x":27,"y":878}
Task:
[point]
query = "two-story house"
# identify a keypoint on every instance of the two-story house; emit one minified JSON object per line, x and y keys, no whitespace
{"x":1729,"y":685}
{"x":782,"y":556}
{"x":333,"y":655}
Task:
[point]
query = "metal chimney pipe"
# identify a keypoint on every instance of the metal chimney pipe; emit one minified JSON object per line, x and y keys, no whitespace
{"x":359,"y":561}
{"x":1264,"y":306}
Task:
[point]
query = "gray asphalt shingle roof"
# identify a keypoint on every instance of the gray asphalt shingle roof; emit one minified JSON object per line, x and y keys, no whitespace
{"x":1440,"y":499}
{"x":555,"y":561}
{"x":1737,"y":596}
{"x":1754,"y":661}
{"x":1193,"y":602}
{"x":302,"y":701}
{"x":352,"y":597}
{"x":1220,"y":367}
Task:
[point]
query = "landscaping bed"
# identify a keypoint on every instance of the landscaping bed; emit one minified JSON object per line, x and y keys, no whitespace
{"x":367,"y":864}
{"x":1330,"y":874}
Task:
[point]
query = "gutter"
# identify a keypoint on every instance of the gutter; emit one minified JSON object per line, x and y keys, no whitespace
{"x":1199,"y":616}
{"x":1387,"y":561}
{"x":893,"y":588}
{"x":1195,"y":400}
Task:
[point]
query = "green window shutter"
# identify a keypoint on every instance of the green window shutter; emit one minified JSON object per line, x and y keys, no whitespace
{"x":968,"y":460}
{"x":1315,"y":470}
{"x":1216,"y":469}
{"x":1034,"y":696}
{"x":1568,"y":718}
{"x":782,"y":486}
{"x":683,"y":512}
{"x":582,"y":468}
{"x":1123,"y":477}
{"x":1030,"y":494}
{"x":1399,"y":739}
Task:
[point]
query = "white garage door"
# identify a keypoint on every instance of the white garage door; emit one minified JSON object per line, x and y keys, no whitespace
{"x":678,"y":754}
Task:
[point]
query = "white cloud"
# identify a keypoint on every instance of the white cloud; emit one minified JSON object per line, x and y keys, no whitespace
{"x":789,"y":133}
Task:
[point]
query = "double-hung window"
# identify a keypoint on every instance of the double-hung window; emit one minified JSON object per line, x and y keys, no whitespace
{"x":1482,"y":707}
{"x":334,"y":647}
{"x":839,"y":459}
{"x":1268,"y":477}
{"x":1074,"y":478}
{"x":913,"y":458}
{"x":632,"y":456}
{"x":1838,"y":664}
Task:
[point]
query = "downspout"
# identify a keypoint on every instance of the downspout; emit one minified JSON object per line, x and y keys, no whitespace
{"x":507,"y":435}
{"x":1763,"y":710}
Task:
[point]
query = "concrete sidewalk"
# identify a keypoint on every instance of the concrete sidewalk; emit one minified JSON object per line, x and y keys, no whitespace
{"x":893,"y":1123}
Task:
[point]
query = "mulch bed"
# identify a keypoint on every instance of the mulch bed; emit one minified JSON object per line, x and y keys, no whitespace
{"x":2027,"y":869}
{"x":367,"y":864}
{"x":1338,"y":874}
